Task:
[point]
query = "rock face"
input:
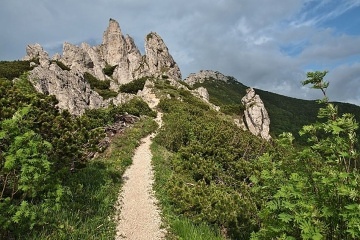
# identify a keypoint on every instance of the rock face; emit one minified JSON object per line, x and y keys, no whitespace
{"x":158,"y":59}
{"x":203,"y":75}
{"x":203,"y":93}
{"x":117,"y":52}
{"x":70,"y":88}
{"x":256,"y":117}
{"x":37,"y":52}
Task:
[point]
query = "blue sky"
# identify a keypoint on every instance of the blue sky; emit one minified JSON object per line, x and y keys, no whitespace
{"x":268,"y":44}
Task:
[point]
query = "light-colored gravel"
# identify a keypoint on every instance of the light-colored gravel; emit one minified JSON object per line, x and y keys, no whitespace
{"x":139,"y":216}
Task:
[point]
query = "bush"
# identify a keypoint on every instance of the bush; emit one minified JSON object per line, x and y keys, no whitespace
{"x":13,"y":69}
{"x":109,"y":70}
{"x":312,"y":192}
{"x":39,"y":146}
{"x":62,"y":65}
{"x":211,"y":166}
{"x":96,"y":83}
{"x":134,"y":86}
{"x":101,"y":87}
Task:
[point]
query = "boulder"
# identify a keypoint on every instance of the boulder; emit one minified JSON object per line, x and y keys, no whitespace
{"x":256,"y":117}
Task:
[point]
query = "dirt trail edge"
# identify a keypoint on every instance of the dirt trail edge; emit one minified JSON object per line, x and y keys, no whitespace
{"x":139,"y":217}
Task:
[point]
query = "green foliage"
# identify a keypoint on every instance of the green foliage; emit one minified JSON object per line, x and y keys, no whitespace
{"x":210,"y":166}
{"x":26,"y":176}
{"x":178,"y":227}
{"x":224,"y":93}
{"x":88,"y":212}
{"x":109,"y":70}
{"x":101,"y":87}
{"x":13,"y":69}
{"x":312,"y":193}
{"x":96,"y":83}
{"x":138,"y":107}
{"x":316,"y":79}
{"x":96,"y":118}
{"x":134,"y":86}
{"x":61,"y":65}
{"x":39,"y":146}
{"x":233,"y":109}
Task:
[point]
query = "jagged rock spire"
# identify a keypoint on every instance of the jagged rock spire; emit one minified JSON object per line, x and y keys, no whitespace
{"x":158,"y":58}
{"x":116,"y":50}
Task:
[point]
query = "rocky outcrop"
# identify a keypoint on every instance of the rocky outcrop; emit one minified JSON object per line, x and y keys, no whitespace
{"x":158,"y":59}
{"x":256,"y":117}
{"x":148,"y":95}
{"x":116,"y":52}
{"x":36,"y":52}
{"x":202,"y":93}
{"x":203,"y":75}
{"x":69,"y":87}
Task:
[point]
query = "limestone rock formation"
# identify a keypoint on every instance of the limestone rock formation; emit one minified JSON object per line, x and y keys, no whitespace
{"x":256,"y":117}
{"x":116,"y":52}
{"x":203,"y":93}
{"x":158,"y":59}
{"x":148,"y":95}
{"x":36,"y":51}
{"x":203,"y":75}
{"x":69,"y":87}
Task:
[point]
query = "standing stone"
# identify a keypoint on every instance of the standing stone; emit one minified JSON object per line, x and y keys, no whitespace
{"x":256,"y":117}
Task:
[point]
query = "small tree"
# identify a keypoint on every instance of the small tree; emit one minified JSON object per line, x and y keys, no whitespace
{"x":314,"y":192}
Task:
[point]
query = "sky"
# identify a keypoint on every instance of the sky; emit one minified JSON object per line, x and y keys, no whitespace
{"x":266,"y":44}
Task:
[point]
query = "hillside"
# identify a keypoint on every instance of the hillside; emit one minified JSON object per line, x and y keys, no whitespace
{"x":287,"y":114}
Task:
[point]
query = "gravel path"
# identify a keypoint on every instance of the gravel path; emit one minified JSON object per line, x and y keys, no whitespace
{"x":139,"y":216}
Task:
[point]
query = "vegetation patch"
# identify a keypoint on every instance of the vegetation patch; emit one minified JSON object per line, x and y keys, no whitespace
{"x":179,"y":227}
{"x":13,"y":69}
{"x":101,"y":87}
{"x":134,"y":86}
{"x":49,"y":188}
{"x":108,"y":70}
{"x":88,"y":212}
{"x":61,"y":65}
{"x":209,"y":165}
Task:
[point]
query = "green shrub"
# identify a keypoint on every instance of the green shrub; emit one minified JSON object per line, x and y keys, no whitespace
{"x":39,"y":146}
{"x":13,"y":69}
{"x":211,"y":165}
{"x":96,"y":83}
{"x":233,"y":109}
{"x":62,"y":65}
{"x":312,"y":192}
{"x":101,"y":87}
{"x":134,"y":86}
{"x":109,"y":70}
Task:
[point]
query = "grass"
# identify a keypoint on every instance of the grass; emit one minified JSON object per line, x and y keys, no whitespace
{"x":88,"y":212}
{"x":179,"y":227}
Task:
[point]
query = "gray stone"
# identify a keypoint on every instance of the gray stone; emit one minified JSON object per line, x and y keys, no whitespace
{"x":256,"y":117}
{"x":203,"y":75}
{"x":75,"y":94}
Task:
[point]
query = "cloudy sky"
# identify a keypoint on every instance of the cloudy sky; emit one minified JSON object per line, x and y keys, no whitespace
{"x":267,"y":44}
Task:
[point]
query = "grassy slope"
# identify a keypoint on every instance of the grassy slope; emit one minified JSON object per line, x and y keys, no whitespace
{"x":286,"y":114}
